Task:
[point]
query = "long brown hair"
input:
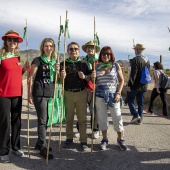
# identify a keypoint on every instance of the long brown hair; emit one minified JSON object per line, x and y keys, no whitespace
{"x":54,"y":54}
{"x":4,"y":49}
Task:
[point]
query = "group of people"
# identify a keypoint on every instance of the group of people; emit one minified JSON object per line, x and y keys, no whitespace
{"x":97,"y":76}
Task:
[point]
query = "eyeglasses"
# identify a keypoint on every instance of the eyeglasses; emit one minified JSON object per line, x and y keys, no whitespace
{"x":73,"y":49}
{"x":12,"y":39}
{"x":106,"y":54}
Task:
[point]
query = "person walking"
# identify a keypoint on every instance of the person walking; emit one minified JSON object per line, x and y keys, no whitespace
{"x":135,"y":89}
{"x":41,"y":89}
{"x":158,"y":69}
{"x":10,"y":95}
{"x":109,"y":84}
{"x":75,"y":95}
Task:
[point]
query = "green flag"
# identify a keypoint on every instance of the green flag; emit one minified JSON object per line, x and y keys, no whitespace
{"x":25,"y":32}
{"x":96,"y":39}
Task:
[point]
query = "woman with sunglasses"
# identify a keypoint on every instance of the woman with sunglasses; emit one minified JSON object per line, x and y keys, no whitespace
{"x":10,"y":95}
{"x":109,"y":84}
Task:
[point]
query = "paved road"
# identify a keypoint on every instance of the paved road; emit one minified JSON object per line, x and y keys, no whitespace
{"x":148,"y":147}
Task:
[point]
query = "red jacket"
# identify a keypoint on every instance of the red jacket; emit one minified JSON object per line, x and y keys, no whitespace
{"x":10,"y":77}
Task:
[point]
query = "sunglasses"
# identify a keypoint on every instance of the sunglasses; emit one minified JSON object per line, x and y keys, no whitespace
{"x":73,"y":49}
{"x":106,"y":54}
{"x":12,"y":39}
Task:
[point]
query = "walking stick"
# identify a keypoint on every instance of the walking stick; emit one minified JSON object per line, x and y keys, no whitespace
{"x":93,"y":88}
{"x":28,"y":120}
{"x":54,"y":96}
{"x":62,"y":108}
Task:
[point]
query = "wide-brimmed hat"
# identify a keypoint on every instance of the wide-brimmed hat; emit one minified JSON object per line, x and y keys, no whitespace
{"x":97,"y":48}
{"x":139,"y":47}
{"x":12,"y":34}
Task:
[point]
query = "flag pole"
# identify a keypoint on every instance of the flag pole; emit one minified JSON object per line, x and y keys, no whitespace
{"x":62,"y":109}
{"x":94,"y":68}
{"x":51,"y":121}
{"x":28,"y":120}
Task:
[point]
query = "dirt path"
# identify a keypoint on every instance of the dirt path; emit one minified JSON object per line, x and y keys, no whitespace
{"x":148,"y":147}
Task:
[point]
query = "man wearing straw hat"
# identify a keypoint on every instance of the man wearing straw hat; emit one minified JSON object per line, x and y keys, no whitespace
{"x":135,"y":88}
{"x":91,"y":59}
{"x":77,"y":72}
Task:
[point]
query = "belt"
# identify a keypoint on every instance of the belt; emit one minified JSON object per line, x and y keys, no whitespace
{"x":74,"y":90}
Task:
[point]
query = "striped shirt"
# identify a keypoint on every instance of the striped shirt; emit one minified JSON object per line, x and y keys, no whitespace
{"x":106,"y":82}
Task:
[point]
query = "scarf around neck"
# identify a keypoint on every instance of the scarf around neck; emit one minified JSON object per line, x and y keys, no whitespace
{"x":51,"y":65}
{"x":69,"y":60}
{"x":109,"y":64}
{"x":91,"y":60}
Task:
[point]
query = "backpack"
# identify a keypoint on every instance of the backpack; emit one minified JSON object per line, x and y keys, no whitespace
{"x":145,"y":76}
{"x":164,"y":81}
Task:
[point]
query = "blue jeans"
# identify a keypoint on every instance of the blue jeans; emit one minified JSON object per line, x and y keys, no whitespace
{"x":139,"y":98}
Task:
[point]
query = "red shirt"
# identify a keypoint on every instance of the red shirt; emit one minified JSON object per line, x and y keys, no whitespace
{"x":89,"y":84}
{"x":10,"y":77}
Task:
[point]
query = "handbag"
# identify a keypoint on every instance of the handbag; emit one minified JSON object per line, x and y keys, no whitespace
{"x":59,"y":108}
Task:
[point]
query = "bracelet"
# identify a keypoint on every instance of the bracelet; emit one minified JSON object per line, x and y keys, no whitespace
{"x":118,"y":93}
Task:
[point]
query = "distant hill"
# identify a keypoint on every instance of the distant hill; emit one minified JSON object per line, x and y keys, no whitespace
{"x":31,"y":53}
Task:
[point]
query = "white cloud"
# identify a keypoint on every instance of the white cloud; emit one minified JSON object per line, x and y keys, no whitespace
{"x":117,"y":22}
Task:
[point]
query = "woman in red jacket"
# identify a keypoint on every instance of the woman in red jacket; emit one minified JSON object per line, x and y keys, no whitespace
{"x":10,"y":95}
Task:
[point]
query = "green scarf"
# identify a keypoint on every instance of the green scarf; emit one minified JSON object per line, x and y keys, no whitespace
{"x":9,"y":55}
{"x":91,"y":60}
{"x":51,"y":65}
{"x":109,"y":64}
{"x":69,"y":60}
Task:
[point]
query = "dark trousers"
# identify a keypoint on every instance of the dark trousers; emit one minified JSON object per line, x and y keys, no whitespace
{"x":10,"y":115}
{"x":41,"y":106}
{"x":163,"y":96}
{"x":139,"y":95}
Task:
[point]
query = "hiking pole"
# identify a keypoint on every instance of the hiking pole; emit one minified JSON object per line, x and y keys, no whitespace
{"x":51,"y":121}
{"x":62,"y":108}
{"x":25,"y":36}
{"x":93,"y":88}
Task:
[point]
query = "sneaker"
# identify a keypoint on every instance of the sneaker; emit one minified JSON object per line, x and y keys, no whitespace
{"x":84,"y":146}
{"x":67,"y":143}
{"x":121,"y":144}
{"x":38,"y":147}
{"x":77,"y":135}
{"x":135,"y":118}
{"x":147,"y":111}
{"x":104,"y":144}
{"x":139,"y":121}
{"x":43,"y":153}
{"x":18,"y":153}
{"x":5,"y":159}
{"x":95,"y":134}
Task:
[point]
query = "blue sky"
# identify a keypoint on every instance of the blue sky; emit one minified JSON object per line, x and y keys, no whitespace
{"x":118,"y":22}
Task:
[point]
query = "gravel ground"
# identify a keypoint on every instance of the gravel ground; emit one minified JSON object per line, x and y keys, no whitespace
{"x":148,"y":146}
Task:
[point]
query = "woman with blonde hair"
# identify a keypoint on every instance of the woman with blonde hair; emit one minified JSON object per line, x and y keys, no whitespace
{"x":41,"y":89}
{"x":10,"y":95}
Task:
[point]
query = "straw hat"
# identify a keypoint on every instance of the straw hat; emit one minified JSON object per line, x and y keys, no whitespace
{"x":97,"y":48}
{"x":12,"y":34}
{"x":139,"y":47}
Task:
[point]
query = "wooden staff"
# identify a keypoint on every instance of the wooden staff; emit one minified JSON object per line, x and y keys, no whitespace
{"x":51,"y":121}
{"x":28,"y":120}
{"x":93,"y":100}
{"x":62,"y":108}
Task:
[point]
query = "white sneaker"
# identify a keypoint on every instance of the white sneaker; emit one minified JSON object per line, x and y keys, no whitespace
{"x":77,"y":135}
{"x":18,"y":153}
{"x":96,"y":134}
{"x":5,"y":159}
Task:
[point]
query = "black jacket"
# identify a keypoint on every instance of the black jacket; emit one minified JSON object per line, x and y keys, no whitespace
{"x":136,"y":68}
